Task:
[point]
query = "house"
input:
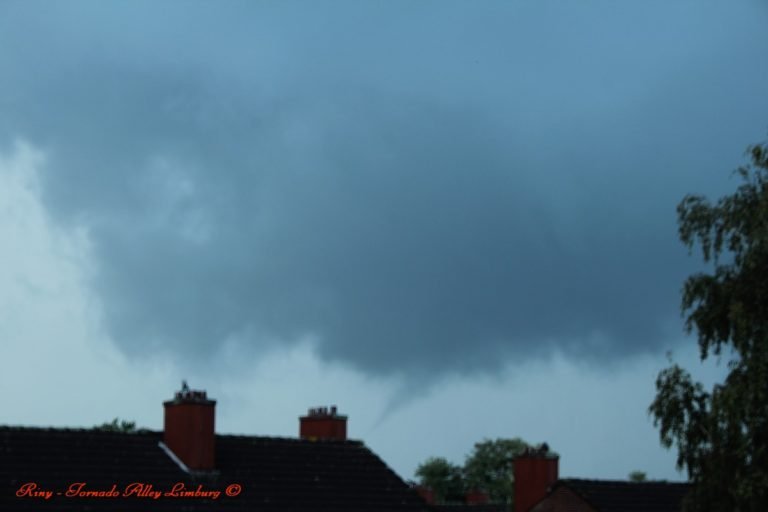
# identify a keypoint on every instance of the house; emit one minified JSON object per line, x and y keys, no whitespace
{"x":576,"y":495}
{"x":188,"y":467}
{"x":470,"y":507}
{"x":474,"y":501}
{"x":538,"y":489}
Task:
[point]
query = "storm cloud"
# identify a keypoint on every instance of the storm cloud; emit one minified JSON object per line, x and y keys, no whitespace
{"x":424,"y":188}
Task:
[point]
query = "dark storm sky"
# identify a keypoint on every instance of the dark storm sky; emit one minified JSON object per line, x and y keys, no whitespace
{"x":421,"y":187}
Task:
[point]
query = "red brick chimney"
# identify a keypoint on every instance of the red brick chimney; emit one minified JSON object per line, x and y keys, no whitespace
{"x":427,"y":494}
{"x":189,"y":428}
{"x":323,"y":423}
{"x":535,"y":472}
{"x":476,"y":497}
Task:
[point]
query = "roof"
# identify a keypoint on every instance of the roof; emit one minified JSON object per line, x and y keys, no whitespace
{"x":489,"y":507}
{"x":274,"y":474}
{"x":623,"y":496}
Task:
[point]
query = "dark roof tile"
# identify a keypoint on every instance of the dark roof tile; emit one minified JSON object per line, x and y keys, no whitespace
{"x":276,"y":474}
{"x":623,"y":496}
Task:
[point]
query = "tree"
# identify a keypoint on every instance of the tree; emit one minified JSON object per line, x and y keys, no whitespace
{"x":117,"y":426}
{"x":445,"y":479}
{"x":489,"y":468}
{"x":638,"y":476}
{"x":722,"y":434}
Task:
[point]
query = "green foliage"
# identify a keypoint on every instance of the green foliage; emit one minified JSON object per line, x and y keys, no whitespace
{"x":118,"y":426}
{"x":489,"y":467}
{"x":638,"y":476}
{"x":722,"y":434}
{"x":445,"y":479}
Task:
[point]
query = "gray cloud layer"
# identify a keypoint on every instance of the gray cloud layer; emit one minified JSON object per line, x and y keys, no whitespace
{"x":425,"y":187}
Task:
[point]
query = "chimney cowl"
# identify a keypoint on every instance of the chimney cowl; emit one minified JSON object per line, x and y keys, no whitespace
{"x":190,"y":397}
{"x":324,"y":412}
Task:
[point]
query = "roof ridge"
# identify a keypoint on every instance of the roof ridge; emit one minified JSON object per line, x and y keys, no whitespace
{"x":37,"y":428}
{"x":32,"y":428}
{"x":622,"y":482}
{"x":292,"y":439}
